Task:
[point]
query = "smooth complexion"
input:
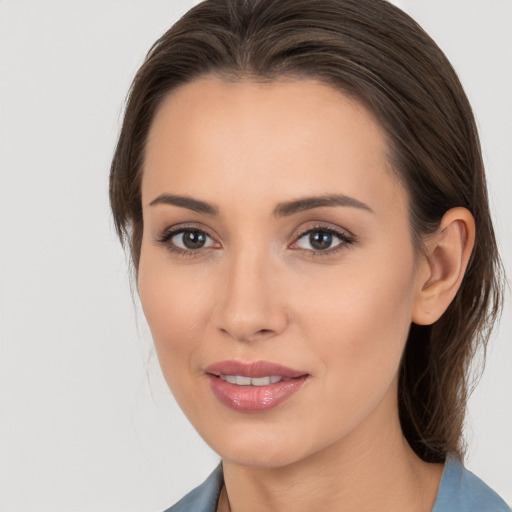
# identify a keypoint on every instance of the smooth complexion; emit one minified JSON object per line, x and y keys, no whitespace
{"x":233,"y":268}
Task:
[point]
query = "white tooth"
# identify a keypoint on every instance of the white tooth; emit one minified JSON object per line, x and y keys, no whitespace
{"x":241,"y":380}
{"x":260,"y":381}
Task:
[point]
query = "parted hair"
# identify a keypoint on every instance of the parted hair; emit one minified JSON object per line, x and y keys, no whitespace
{"x":375,"y":53}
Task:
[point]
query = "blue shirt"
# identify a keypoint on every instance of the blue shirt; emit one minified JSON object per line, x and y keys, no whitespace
{"x":459,"y":491}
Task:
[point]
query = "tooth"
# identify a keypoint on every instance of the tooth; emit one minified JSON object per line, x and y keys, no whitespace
{"x":260,"y":381}
{"x":243,"y":381}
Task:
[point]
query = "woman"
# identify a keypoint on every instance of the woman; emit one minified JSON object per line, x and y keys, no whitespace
{"x":301,"y":188}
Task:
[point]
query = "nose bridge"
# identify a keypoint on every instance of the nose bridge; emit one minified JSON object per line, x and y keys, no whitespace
{"x":249,"y":308}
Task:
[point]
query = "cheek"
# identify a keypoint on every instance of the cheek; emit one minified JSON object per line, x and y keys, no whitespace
{"x":359,"y":324}
{"x":176,"y":307}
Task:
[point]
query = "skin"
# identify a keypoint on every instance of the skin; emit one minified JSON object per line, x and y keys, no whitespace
{"x":257,"y":291}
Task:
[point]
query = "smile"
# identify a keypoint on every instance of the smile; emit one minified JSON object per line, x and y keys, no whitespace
{"x":242,"y":380}
{"x":253,"y":387}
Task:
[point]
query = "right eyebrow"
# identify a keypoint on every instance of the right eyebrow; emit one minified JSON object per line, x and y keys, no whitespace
{"x":186,"y":202}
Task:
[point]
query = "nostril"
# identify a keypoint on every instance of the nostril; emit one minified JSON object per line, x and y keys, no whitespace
{"x":247,"y":337}
{"x":263,"y":333}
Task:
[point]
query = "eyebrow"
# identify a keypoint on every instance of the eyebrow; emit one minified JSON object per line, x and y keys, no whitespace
{"x":284,"y":209}
{"x":308,"y":203}
{"x":186,"y":202}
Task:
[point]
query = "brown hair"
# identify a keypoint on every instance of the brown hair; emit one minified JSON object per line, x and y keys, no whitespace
{"x":374,"y":52}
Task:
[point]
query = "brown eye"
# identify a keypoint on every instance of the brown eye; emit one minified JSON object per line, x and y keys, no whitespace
{"x":320,"y":240}
{"x":191,"y":239}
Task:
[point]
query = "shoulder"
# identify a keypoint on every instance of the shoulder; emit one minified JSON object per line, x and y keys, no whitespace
{"x":462,"y":491}
{"x":203,"y":498}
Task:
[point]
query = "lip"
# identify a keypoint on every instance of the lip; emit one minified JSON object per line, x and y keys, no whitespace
{"x":251,"y":399}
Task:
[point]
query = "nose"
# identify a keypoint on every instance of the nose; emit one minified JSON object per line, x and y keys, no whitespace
{"x":250,"y":306}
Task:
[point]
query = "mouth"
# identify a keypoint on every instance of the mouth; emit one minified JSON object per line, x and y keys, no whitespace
{"x":243,"y":380}
{"x":253,"y":387}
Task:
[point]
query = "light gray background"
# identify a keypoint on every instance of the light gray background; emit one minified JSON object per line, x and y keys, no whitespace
{"x":86,"y":422}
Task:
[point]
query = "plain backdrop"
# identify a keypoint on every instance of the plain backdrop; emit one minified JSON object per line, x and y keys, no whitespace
{"x":86,"y":422}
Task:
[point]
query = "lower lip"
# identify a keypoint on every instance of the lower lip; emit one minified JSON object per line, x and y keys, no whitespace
{"x":254,"y":398}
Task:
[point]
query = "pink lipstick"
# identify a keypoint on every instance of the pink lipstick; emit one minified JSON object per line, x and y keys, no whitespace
{"x":253,"y":387}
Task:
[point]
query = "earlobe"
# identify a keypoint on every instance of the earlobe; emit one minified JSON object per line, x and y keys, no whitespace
{"x":444,"y":264}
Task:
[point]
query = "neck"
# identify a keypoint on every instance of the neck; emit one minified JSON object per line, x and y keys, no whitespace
{"x":367,"y":471}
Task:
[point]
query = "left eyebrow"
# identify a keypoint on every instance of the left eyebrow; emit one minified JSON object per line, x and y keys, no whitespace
{"x":308,"y":203}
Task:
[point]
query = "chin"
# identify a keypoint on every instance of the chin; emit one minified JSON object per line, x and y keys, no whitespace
{"x":261,"y":449}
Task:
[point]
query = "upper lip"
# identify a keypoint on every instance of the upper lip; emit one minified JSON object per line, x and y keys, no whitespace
{"x":253,"y":369}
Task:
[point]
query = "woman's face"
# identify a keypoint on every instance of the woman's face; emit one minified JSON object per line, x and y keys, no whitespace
{"x":277,"y":272}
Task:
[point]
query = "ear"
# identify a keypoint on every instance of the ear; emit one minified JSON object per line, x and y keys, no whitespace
{"x":442,"y":268}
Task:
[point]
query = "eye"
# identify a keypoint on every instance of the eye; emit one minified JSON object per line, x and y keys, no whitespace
{"x":191,"y":239}
{"x":186,"y":240}
{"x":322,"y":239}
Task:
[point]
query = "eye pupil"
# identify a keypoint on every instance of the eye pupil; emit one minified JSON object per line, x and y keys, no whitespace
{"x":194,"y":239}
{"x":320,"y":240}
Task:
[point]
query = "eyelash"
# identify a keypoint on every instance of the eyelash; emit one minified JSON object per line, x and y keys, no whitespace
{"x":346,"y":240}
{"x":165,"y":239}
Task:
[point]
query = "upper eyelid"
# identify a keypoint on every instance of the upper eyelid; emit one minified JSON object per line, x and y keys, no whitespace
{"x":320,"y":226}
{"x":170,"y":231}
{"x":298,"y":232}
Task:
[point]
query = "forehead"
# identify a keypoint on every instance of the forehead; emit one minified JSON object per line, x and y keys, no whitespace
{"x":297,"y":137}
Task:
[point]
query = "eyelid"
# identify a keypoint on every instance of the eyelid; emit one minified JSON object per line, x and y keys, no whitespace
{"x":346,"y":237}
{"x":165,"y":236}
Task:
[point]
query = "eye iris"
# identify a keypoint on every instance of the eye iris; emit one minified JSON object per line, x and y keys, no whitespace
{"x":320,"y":240}
{"x":194,"y":239}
